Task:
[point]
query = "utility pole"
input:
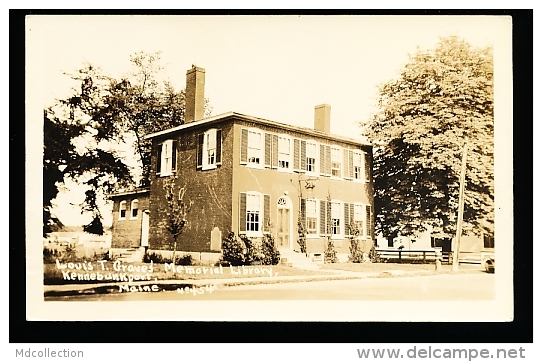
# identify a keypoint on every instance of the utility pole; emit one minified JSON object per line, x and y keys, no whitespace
{"x":455,"y":266}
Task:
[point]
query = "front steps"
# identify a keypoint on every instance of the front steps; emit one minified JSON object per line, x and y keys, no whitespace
{"x":132,"y":255}
{"x":297,"y":260}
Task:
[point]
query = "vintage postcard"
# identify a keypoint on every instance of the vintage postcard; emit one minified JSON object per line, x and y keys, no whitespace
{"x":317,"y":168}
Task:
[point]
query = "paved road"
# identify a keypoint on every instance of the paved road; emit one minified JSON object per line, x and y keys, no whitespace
{"x":472,"y":286}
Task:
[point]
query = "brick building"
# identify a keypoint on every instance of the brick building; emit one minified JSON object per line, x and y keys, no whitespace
{"x":130,"y":227}
{"x":254,"y":176}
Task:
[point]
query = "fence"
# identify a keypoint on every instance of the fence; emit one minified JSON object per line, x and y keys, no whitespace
{"x":414,"y":256}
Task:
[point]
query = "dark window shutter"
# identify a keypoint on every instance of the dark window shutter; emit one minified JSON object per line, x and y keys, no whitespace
{"x":368,"y":220}
{"x":351,"y":213}
{"x":346,"y":164}
{"x":367,"y":167}
{"x":303,"y":213}
{"x":328,"y":217}
{"x":242,"y":212}
{"x":200,"y":151}
{"x":275,"y":153}
{"x":267,"y":156}
{"x":296,"y":154}
{"x":244,"y":145}
{"x":303,"y":166}
{"x":347,"y":230}
{"x":328,"y":161}
{"x":266,"y":212}
{"x":322,"y":160}
{"x":351,"y":163}
{"x":323,"y":219}
{"x":159,"y":159}
{"x":218,"y":160}
{"x":174,"y":155}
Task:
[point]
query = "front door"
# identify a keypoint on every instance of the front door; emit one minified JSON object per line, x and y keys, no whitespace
{"x":284,"y":221}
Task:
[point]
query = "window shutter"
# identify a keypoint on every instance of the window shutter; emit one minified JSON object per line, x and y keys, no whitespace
{"x":200,"y":151}
{"x":266,"y":212}
{"x":267,"y":156}
{"x":323,"y":218}
{"x":347,"y":229}
{"x":328,"y":217}
{"x":351,"y":163}
{"x":244,"y":145}
{"x":242,"y":212}
{"x":174,"y":155}
{"x":328,"y":161}
{"x":275,"y":153}
{"x":303,"y":166}
{"x":296,"y":154}
{"x":159,"y":159}
{"x":351,"y":213}
{"x":303,"y":213}
{"x":163,"y":158}
{"x":322,"y":160}
{"x":346,"y":164}
{"x":367,"y":167}
{"x":368,"y":220}
{"x":218,"y":159}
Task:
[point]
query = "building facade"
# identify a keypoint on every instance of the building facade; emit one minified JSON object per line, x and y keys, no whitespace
{"x":254,"y":176}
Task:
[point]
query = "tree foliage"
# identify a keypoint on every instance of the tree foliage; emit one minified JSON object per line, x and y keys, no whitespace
{"x":442,"y":100}
{"x":105,"y":111}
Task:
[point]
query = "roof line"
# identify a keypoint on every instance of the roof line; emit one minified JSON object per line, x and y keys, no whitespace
{"x":261,"y":121}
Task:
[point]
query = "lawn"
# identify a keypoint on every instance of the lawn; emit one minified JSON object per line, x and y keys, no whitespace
{"x":381,"y":267}
{"x":105,"y":272}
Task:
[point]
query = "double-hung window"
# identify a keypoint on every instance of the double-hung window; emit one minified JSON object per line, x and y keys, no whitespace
{"x":335,"y":218}
{"x":335,"y":162}
{"x":311,"y":157}
{"x":311,"y":216}
{"x":134,"y":209}
{"x":122,"y":210}
{"x":167,"y":158}
{"x":359,"y":219}
{"x":254,"y":151}
{"x":359,"y":170}
{"x":209,"y":149}
{"x":284,"y":153}
{"x":253,"y":212}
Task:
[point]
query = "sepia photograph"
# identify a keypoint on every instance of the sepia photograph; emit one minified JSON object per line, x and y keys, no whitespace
{"x":269,"y":168}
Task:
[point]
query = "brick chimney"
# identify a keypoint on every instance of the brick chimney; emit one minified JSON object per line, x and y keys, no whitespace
{"x":322,"y":117}
{"x":195,"y":99}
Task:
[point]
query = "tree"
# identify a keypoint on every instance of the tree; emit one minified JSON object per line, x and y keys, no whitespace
{"x":108,"y":111}
{"x":101,"y":170}
{"x":177,"y":210}
{"x":442,"y":100}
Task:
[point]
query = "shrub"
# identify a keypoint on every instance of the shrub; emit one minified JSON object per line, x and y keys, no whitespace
{"x":330,"y":254}
{"x":160,"y":259}
{"x":233,"y":250}
{"x":356,"y":254}
{"x":270,"y":251}
{"x":302,"y":237}
{"x":254,"y":251}
{"x":185,"y":260}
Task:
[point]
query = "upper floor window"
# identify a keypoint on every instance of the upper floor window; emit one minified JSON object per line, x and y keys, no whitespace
{"x":311,"y":157}
{"x":134,"y":209}
{"x":359,"y":171}
{"x":335,"y":162}
{"x":167,"y":158}
{"x":284,"y":153}
{"x":122,"y":210}
{"x":209,"y":149}
{"x":254,"y":147}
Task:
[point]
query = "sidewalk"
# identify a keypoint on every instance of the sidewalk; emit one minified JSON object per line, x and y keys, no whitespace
{"x":173,"y":284}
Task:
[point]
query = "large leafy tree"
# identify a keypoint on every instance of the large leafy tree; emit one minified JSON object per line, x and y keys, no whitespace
{"x":442,"y":100}
{"x":106,"y":111}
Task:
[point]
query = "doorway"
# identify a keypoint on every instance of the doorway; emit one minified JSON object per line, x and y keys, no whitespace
{"x":284,"y":223}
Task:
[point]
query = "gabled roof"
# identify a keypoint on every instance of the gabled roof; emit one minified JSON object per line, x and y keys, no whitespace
{"x":243,"y":117}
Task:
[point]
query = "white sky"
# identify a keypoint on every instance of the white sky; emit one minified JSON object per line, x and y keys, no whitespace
{"x":273,"y":67}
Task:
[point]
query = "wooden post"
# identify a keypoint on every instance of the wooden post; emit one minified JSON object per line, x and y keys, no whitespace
{"x":455,"y":266}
